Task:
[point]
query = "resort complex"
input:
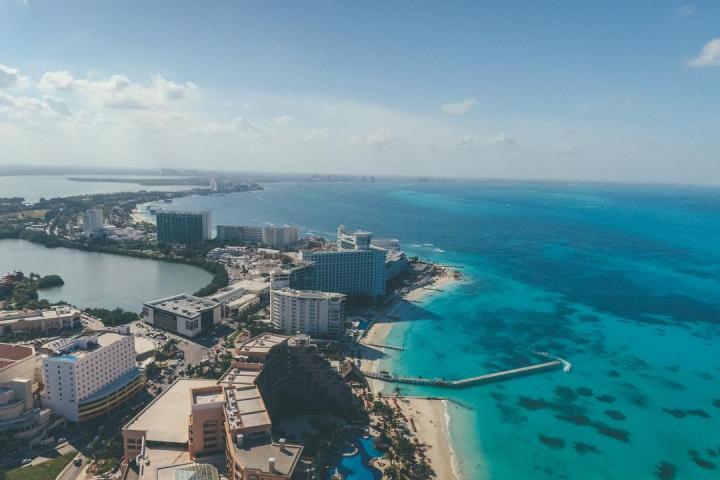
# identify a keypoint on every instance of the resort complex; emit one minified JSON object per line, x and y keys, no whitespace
{"x":227,"y":422}
{"x":195,"y":403}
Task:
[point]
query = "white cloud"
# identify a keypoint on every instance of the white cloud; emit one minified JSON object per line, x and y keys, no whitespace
{"x":377,"y":138}
{"x":686,"y":10}
{"x":474,"y":142}
{"x":282,"y":120}
{"x":32,"y":112}
{"x":11,"y":78}
{"x":503,"y":141}
{"x":239,"y":126}
{"x":709,"y":56}
{"x":469,"y":142}
{"x":59,"y":105}
{"x":59,"y":80}
{"x":118,"y":91}
{"x":459,"y":108}
{"x":318,"y":136}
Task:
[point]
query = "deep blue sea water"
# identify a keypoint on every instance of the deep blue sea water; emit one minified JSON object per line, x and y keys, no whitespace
{"x":624,"y":281}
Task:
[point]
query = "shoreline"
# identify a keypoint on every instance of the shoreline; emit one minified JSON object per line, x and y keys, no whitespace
{"x":428,"y":418}
{"x":138,"y":218}
{"x":431,"y":419}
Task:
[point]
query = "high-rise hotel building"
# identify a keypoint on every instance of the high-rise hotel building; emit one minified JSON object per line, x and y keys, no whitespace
{"x":318,"y":314}
{"x":354,"y":268}
{"x":278,"y":238}
{"x":93,"y":221}
{"x":183,"y":227}
{"x":89,"y":375}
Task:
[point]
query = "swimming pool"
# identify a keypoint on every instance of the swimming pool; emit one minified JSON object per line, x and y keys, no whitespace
{"x":357,"y":467}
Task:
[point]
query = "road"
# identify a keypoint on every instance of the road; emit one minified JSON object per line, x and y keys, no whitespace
{"x":73,"y":472}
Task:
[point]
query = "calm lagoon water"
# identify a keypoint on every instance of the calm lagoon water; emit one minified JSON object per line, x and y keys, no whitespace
{"x":623,"y":281}
{"x":34,"y":187}
{"x":100,"y":279}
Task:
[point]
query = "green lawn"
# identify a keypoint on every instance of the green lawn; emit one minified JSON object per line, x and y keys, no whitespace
{"x":45,"y":471}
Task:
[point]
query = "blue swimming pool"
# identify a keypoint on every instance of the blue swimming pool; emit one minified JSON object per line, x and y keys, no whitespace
{"x":357,"y":467}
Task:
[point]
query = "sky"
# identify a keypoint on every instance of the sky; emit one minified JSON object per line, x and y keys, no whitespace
{"x":607,"y":91}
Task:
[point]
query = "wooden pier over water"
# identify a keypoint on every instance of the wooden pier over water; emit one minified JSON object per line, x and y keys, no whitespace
{"x":469,"y":382}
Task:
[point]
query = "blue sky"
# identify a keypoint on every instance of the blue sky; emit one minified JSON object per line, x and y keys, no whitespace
{"x":626,"y":91}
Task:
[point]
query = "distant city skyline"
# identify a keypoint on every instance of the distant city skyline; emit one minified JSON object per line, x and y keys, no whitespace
{"x":563,"y":91}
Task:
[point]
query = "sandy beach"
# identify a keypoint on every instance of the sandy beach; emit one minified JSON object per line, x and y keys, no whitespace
{"x":138,"y":218}
{"x":379,"y":330}
{"x":427,"y":418}
{"x":439,"y":283}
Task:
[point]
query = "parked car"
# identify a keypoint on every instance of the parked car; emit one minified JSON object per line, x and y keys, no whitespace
{"x":77,"y":462}
{"x":26,"y":461}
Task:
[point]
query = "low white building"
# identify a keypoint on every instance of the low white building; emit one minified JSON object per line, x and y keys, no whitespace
{"x":183,"y":314}
{"x":89,"y":375}
{"x":54,"y":318}
{"x":318,"y":314}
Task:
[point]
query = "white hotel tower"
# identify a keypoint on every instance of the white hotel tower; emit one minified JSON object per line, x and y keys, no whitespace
{"x":318,"y":314}
{"x":87,"y":376}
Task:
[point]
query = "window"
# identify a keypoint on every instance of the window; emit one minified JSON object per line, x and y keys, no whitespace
{"x":191,"y":325}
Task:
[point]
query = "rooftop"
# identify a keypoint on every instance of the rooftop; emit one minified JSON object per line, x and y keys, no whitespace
{"x":12,"y":353}
{"x":207,"y":397}
{"x":165,"y":418}
{"x":312,"y":294}
{"x":70,"y":349}
{"x":239,"y":376}
{"x":29,"y":315}
{"x":255,"y":455}
{"x":249,"y":285}
{"x":189,"y":305}
{"x":262,"y":343}
{"x":245,"y":407}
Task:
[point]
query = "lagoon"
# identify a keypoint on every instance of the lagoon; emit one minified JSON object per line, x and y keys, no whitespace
{"x":34,"y":187}
{"x":100,"y":279}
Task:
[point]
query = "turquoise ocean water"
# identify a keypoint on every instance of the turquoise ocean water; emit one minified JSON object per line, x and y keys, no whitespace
{"x":624,"y":281}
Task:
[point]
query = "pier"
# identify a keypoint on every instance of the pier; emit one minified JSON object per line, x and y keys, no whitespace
{"x":472,"y":381}
{"x":400,"y":349}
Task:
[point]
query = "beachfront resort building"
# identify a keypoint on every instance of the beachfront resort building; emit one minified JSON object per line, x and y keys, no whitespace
{"x":210,"y":422}
{"x":295,"y":376}
{"x":315,"y":313}
{"x":355,"y":267}
{"x":183,"y":227}
{"x":239,"y":234}
{"x":279,"y":238}
{"x":389,"y":244}
{"x":48,"y":320}
{"x":183,"y":314}
{"x":93,"y":221}
{"x":89,"y":375}
{"x":201,"y":424}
